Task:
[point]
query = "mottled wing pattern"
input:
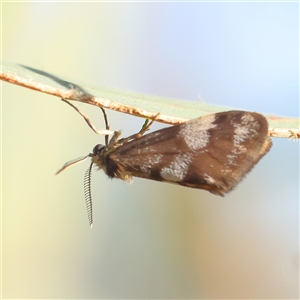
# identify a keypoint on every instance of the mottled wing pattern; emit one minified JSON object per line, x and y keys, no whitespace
{"x":213,"y":152}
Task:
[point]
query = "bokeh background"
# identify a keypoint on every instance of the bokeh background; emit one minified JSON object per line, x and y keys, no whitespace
{"x":149,"y":240}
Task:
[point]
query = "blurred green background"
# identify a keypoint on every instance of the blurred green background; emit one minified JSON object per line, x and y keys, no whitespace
{"x":149,"y":240}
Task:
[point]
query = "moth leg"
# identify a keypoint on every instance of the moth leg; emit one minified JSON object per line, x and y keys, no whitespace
{"x":146,"y":126}
{"x":106,"y":124}
{"x":73,"y":162}
{"x":102,"y":132}
{"x":114,"y":139}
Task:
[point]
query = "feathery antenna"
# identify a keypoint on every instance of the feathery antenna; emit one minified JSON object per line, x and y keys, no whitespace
{"x":88,"y":194}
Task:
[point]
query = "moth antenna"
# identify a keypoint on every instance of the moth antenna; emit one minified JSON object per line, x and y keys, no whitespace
{"x":87,"y":120}
{"x":88,"y":194}
{"x":72,"y":162}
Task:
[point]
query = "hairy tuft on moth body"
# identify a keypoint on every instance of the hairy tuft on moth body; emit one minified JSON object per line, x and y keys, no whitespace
{"x":213,"y":153}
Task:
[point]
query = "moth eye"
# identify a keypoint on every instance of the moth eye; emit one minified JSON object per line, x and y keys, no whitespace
{"x":97,"y":149}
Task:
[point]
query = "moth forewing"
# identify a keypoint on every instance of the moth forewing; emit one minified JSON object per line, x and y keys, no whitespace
{"x":213,"y":152}
{"x":236,"y":144}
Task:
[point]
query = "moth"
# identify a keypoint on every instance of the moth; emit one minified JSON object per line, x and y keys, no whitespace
{"x":212,"y":153}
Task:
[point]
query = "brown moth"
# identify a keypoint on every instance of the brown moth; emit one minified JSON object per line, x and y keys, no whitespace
{"x":213,"y":153}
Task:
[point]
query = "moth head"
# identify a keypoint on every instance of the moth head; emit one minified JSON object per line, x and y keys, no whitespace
{"x":98,"y":156}
{"x":97,"y":149}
